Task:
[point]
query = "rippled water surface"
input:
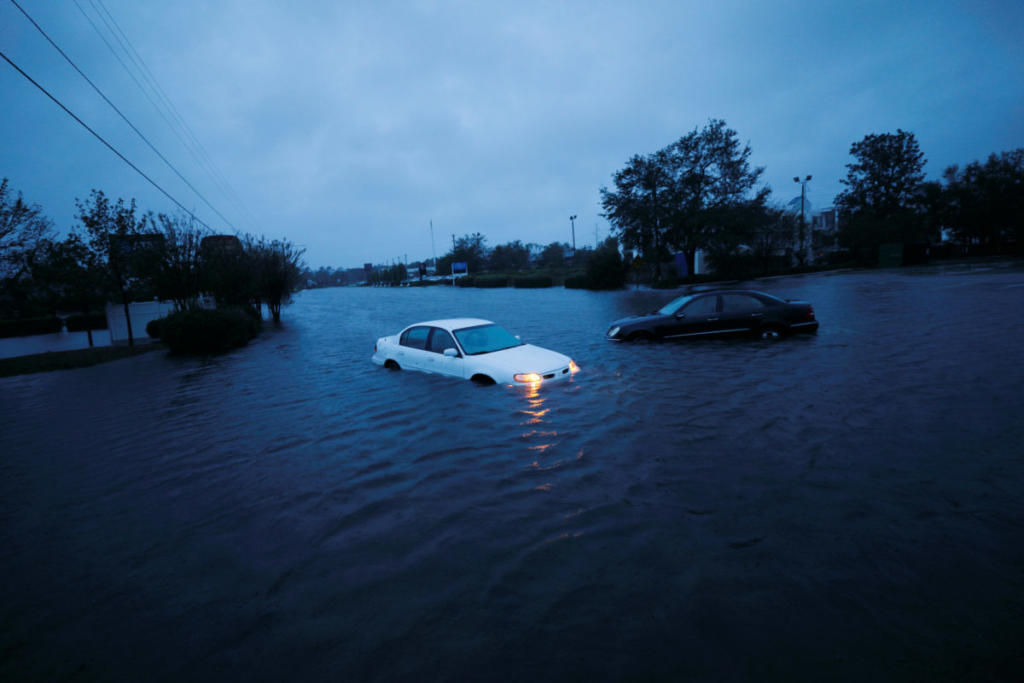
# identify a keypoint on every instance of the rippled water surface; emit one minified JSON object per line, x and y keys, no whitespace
{"x":842,"y":506}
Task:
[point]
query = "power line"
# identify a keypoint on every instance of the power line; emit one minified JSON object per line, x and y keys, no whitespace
{"x":123,"y":117}
{"x":100,"y":138}
{"x":203,"y":157}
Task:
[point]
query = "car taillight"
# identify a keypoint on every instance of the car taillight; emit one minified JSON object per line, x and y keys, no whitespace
{"x":810,"y":312}
{"x":375,"y":348}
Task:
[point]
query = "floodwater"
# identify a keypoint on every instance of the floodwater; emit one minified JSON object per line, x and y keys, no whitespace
{"x":846,"y":506}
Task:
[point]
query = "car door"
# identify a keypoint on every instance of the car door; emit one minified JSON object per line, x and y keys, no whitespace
{"x":740,"y":313}
{"x":413,"y":348}
{"x":441,"y":340}
{"x":698,"y":317}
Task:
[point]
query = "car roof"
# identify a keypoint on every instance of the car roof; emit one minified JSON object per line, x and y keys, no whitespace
{"x":453,"y":323}
{"x":695,"y":292}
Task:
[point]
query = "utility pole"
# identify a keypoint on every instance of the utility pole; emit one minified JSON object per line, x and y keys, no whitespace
{"x":803,"y":223}
{"x":572,"y":222}
{"x":433,"y":251}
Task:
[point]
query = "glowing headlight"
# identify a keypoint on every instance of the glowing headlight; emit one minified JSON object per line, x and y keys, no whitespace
{"x":526,"y":377}
{"x":573,"y":368}
{"x":614,"y":331}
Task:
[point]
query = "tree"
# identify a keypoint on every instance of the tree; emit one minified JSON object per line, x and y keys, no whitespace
{"x":772,"y":238}
{"x":690,"y":195}
{"x":120,"y":242}
{"x":713,"y":191}
{"x":469,"y":249}
{"x":605,"y":267}
{"x":226,"y":273}
{"x":178,"y":275}
{"x":23,"y":230}
{"x":70,"y":275}
{"x":883,"y":190}
{"x":507,"y":257}
{"x":640,"y":206}
{"x":553,"y":255}
{"x":985,"y":202}
{"x":276,"y":267}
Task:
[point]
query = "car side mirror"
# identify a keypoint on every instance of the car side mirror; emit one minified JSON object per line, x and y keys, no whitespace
{"x":451,"y":352}
{"x":518,"y":338}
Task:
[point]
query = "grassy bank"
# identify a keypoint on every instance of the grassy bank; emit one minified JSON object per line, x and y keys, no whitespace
{"x":67,"y":360}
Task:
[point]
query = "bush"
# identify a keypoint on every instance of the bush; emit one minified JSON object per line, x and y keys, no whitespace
{"x":605,"y":269}
{"x":153,"y":328}
{"x":28,"y":326}
{"x":464,"y":281}
{"x":80,"y":323}
{"x":532,"y":282}
{"x":577,"y":282}
{"x":209,"y":331}
{"x":490,"y":281}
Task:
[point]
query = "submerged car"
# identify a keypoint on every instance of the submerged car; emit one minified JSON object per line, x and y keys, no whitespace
{"x":474,"y":349}
{"x":718,"y":313}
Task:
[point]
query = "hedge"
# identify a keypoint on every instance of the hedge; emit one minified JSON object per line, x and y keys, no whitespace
{"x":203,"y":330}
{"x":532,"y":282}
{"x":80,"y":323}
{"x":577,"y":282}
{"x":28,"y":326}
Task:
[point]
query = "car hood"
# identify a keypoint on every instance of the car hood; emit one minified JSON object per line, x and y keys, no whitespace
{"x":525,"y":358}
{"x":637,"y":319}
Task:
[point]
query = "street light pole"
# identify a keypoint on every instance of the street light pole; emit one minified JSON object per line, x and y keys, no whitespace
{"x":803,"y":223}
{"x":572,"y":222}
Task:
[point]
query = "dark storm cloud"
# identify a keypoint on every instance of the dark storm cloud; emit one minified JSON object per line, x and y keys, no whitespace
{"x":348,"y":126}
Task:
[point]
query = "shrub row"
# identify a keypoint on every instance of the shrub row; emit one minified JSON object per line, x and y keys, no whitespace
{"x":495,"y":281}
{"x":208,"y":331}
{"x":80,"y":323}
{"x":532,"y":282}
{"x":29,"y":326}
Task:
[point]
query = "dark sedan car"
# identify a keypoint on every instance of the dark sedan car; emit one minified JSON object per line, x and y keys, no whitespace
{"x":721,"y":312}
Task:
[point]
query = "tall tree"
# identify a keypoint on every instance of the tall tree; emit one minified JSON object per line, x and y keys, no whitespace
{"x":690,"y":195}
{"x":23,"y":230}
{"x":178,"y":272}
{"x":70,"y":276}
{"x":226,"y":273}
{"x":883,"y":191}
{"x":714,"y":193}
{"x":468,"y":249}
{"x":985,"y":202}
{"x":120,"y":243}
{"x":641,"y":204}
{"x":277,"y":266}
{"x":512,"y":256}
{"x":553,"y":255}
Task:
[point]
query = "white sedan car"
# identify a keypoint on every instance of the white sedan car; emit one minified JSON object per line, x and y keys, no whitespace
{"x":473,"y":349}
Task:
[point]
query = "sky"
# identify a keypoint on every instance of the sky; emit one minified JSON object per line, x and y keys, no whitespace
{"x":349,"y":127}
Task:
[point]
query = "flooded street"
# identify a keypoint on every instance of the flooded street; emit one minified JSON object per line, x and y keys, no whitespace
{"x":842,"y":506}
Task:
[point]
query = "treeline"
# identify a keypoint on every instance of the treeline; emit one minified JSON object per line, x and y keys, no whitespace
{"x":510,"y":264}
{"x":115,"y":253}
{"x":980,"y":208}
{"x":700,"y":193}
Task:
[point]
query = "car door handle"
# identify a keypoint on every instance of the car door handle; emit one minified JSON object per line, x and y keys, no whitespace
{"x":711,"y":320}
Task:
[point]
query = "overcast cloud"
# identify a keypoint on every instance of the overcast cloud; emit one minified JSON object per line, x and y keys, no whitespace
{"x":348,"y":126}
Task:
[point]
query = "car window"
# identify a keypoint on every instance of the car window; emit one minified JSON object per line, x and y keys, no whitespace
{"x":485,"y":339}
{"x":672,"y":306}
{"x":440,"y":340}
{"x":705,"y":305}
{"x":415,"y":338}
{"x":739,"y":303}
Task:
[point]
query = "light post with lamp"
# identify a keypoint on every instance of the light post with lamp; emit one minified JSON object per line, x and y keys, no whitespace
{"x":803,"y":224}
{"x":572,"y":223}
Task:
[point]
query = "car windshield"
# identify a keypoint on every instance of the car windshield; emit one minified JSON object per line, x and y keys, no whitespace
{"x":672,"y":306}
{"x":485,"y":339}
